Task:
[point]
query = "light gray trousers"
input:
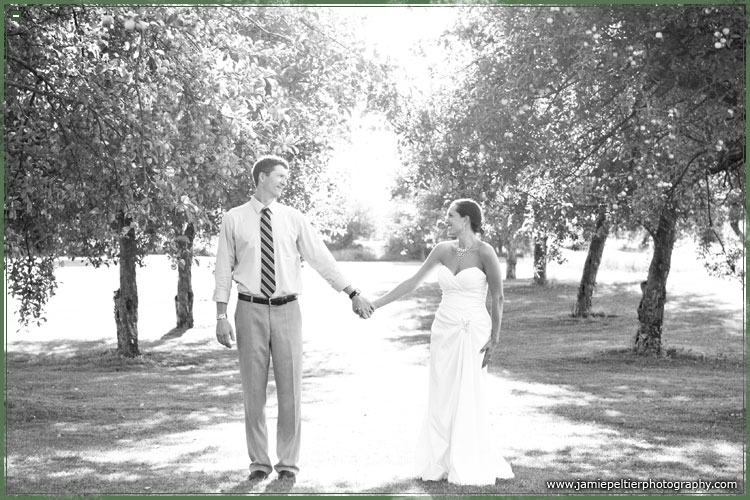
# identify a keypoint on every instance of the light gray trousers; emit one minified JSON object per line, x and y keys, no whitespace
{"x":264,"y":332}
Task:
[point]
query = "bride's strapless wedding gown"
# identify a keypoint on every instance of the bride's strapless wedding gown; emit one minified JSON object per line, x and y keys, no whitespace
{"x":455,"y":440}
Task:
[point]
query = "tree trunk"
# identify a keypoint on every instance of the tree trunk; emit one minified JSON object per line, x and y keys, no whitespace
{"x":126,"y":299}
{"x":183,"y":301}
{"x":651,"y":309}
{"x":737,"y":216}
{"x":591,"y":268}
{"x":540,"y":261}
{"x":511,"y":259}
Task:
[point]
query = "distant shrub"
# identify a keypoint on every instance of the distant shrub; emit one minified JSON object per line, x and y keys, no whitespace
{"x":354,"y":253}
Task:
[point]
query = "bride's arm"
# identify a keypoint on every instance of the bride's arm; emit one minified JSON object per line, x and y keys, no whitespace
{"x":495,"y":283}
{"x":412,"y":283}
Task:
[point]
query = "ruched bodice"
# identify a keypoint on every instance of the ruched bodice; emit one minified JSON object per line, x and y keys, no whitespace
{"x":466,"y":291}
{"x":464,"y":302}
{"x":467,"y":285}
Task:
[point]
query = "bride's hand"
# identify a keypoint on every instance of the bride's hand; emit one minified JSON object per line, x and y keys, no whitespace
{"x":362,"y":307}
{"x":488,"y":350}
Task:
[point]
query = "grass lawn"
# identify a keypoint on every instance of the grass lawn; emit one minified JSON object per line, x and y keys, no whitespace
{"x":569,"y":402}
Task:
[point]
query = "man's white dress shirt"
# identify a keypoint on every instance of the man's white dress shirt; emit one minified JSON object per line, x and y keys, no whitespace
{"x":238,"y":254}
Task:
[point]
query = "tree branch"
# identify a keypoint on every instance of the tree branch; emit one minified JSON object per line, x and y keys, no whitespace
{"x":727,"y":161}
{"x":684,"y":172}
{"x":40,"y":91}
{"x":251,"y":20}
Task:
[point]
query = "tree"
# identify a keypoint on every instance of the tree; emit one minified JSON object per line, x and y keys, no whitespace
{"x":610,"y":116}
{"x":360,"y":225}
{"x":650,"y":99}
{"x":130,"y":129}
{"x":591,"y":267}
{"x":306,"y":82}
{"x":447,"y":159}
{"x":77,"y":121}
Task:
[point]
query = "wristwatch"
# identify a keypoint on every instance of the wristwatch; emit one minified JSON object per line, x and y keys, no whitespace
{"x":354,"y":293}
{"x":221,"y":316}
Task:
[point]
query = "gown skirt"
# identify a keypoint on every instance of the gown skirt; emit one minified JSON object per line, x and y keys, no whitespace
{"x":455,"y":441}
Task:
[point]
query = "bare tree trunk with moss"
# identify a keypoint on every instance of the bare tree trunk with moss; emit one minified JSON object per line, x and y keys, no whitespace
{"x":591,"y":267}
{"x":183,"y":301}
{"x":648,"y":338}
{"x":126,"y":298}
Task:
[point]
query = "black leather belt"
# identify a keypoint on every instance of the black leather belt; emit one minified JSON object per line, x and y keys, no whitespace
{"x":275,"y":301}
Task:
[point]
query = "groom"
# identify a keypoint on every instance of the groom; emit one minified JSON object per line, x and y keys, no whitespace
{"x":260,"y":245}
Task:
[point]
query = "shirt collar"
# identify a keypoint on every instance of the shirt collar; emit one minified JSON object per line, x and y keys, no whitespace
{"x":258,"y":206}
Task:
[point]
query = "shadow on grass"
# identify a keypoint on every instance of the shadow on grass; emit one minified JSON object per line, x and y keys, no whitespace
{"x":675,"y":399}
{"x":80,"y":399}
{"x":537,"y":479}
{"x":82,"y":420}
{"x":421,"y":339}
{"x":442,"y":488}
{"x":268,"y":486}
{"x":68,"y":473}
{"x":174,"y":333}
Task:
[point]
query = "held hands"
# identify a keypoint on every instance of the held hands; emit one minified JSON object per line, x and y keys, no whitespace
{"x":224,"y":333}
{"x":488,"y":350}
{"x":362,"y":307}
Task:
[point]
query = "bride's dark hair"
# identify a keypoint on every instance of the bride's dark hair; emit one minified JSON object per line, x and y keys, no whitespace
{"x":468,"y":207}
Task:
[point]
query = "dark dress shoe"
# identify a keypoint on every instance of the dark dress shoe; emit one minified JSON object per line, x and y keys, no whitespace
{"x":257,"y":475}
{"x":287,"y":475}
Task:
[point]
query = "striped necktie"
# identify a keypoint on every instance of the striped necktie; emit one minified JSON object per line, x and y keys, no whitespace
{"x":267,"y":272}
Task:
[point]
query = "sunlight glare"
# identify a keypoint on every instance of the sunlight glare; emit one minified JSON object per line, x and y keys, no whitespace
{"x":407,"y":37}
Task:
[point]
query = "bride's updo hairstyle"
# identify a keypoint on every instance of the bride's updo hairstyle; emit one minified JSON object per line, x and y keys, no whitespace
{"x":467,"y":207}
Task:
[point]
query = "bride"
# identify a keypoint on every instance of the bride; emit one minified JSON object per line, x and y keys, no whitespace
{"x":454,"y":443}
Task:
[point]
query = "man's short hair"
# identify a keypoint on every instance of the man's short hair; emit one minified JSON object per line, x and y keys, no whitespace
{"x":266,"y":164}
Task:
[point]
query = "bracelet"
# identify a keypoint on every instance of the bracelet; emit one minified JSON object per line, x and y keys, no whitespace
{"x":221,"y":316}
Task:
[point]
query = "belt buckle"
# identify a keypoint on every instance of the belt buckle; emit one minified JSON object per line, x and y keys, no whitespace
{"x":280,"y":301}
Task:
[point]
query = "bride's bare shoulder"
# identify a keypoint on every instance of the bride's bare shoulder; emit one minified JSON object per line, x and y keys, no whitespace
{"x":442,"y":248}
{"x":444,"y":245}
